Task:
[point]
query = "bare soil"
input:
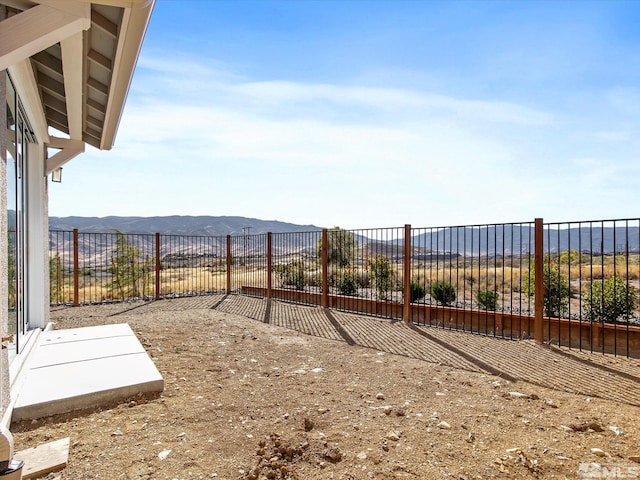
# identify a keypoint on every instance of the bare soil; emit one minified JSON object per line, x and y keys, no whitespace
{"x":246,"y":400}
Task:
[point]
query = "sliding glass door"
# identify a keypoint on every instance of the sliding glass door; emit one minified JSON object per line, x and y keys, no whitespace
{"x":19,"y":135}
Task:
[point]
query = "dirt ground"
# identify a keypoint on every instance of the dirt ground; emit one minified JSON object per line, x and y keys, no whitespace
{"x":245,"y":400}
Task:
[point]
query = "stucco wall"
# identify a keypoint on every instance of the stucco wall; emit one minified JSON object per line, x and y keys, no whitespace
{"x":4,"y":361}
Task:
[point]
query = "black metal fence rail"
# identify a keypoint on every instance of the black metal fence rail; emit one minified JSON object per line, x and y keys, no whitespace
{"x":190,"y":265}
{"x":571,"y":283}
{"x":295,"y":266}
{"x":592,"y":273}
{"x":474,"y":268}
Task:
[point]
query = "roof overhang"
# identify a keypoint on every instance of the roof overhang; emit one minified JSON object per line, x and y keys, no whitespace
{"x":72,"y":62}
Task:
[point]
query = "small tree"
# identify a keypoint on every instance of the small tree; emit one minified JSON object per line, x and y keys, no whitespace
{"x":381,"y":274}
{"x":443,"y":293}
{"x":556,"y":289}
{"x":130,"y":268}
{"x":611,"y":300}
{"x":341,"y":247}
{"x":55,"y":278}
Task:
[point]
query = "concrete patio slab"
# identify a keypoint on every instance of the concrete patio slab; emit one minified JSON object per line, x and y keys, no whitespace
{"x":85,"y":367}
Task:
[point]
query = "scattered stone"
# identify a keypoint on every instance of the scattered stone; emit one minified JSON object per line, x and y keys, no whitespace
{"x":635,"y":458}
{"x":598,"y":452}
{"x":519,"y":395}
{"x":387,"y":410}
{"x":588,"y":427}
{"x":394,"y":436}
{"x":444,"y":425}
{"x":380,"y":396}
{"x":470,"y":437}
{"x":362,"y":455}
{"x":318,"y":370}
{"x":116,"y":433}
{"x":548,"y":402}
{"x":616,"y":430}
{"x":164,"y":454}
{"x":566,"y":428}
{"x":333,"y":455}
{"x":513,"y":450}
{"x":308,"y":425}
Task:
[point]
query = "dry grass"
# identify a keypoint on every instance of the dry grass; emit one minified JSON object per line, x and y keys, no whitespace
{"x":507,"y":280}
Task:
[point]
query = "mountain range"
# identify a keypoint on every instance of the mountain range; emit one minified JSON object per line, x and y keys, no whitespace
{"x":484,"y":240}
{"x":177,"y":225}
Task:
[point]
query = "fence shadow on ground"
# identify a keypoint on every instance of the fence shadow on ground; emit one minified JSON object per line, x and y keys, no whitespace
{"x":591,"y":374}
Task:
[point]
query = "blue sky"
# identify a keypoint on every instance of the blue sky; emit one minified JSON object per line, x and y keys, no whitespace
{"x":375,"y":113}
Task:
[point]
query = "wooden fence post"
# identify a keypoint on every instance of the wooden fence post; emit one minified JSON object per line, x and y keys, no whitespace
{"x":158,"y":266}
{"x":325,"y":268}
{"x":406,"y":270}
{"x":538,"y":258}
{"x":269,"y":263}
{"x":229,"y":257}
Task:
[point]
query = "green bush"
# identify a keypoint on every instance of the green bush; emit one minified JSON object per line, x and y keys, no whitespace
{"x":443,"y":293}
{"x":487,"y":299}
{"x":556,"y":290}
{"x":611,"y":300}
{"x":346,"y":282}
{"x":382,"y":275}
{"x":417,"y":291}
{"x":291,"y":274}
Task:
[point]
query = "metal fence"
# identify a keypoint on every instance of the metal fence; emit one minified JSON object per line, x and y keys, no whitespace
{"x":572,"y":283}
{"x":479,"y":268}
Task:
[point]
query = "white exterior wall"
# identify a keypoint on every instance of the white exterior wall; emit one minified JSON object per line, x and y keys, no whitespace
{"x":4,"y":291}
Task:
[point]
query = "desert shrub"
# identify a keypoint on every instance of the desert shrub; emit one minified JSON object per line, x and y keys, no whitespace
{"x":417,"y":291}
{"x":291,"y":275}
{"x":556,"y":289}
{"x":364,"y":280}
{"x":572,"y":257}
{"x":487,"y":299}
{"x":443,"y":293}
{"x":381,"y":272}
{"x":314,"y":279}
{"x":346,"y":282}
{"x":611,"y":300}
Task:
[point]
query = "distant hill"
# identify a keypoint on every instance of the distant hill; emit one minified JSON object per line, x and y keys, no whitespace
{"x":516,"y":239}
{"x":177,"y":225}
{"x":491,"y":240}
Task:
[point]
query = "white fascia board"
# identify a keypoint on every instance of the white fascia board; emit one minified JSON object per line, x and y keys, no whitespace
{"x":69,"y":149}
{"x":133,"y":29}
{"x":72,"y":60}
{"x":25,"y":84}
{"x":36,"y":29}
